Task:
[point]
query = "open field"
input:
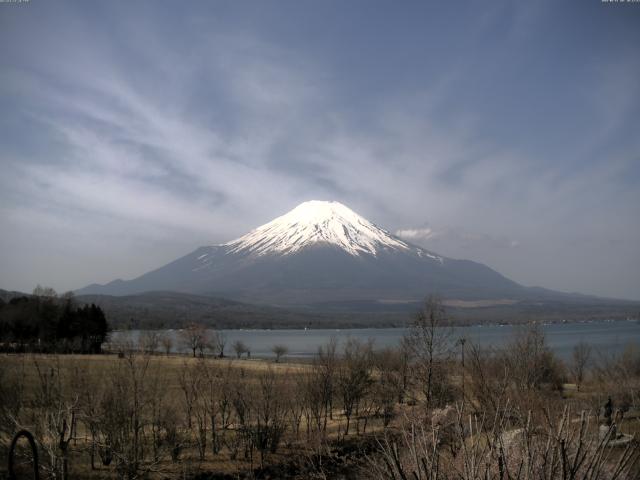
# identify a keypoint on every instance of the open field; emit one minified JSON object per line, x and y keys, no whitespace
{"x":339,"y":416}
{"x":82,"y":379}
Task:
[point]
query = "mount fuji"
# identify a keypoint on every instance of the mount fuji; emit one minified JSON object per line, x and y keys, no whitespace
{"x":320,"y":254}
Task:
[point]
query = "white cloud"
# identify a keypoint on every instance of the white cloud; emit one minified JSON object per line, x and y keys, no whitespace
{"x":454,"y":240}
{"x":208,"y":141}
{"x":421,"y":234}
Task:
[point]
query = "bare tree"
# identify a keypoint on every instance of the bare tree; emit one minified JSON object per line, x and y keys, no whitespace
{"x":490,"y":377}
{"x":239,"y":348}
{"x":190,"y":379}
{"x":326,"y":363}
{"x":149,"y":342}
{"x":167,"y":343}
{"x":531,"y":361}
{"x":580,"y":360}
{"x":315,"y":388}
{"x":124,"y":407}
{"x":201,"y":410}
{"x":194,"y":337}
{"x":297,"y":396}
{"x":354,"y":378}
{"x":389,"y":384}
{"x":270,"y":409}
{"x":429,"y":339}
{"x":44,"y":292}
{"x":55,"y":420}
{"x":218,"y":343}
{"x":12,"y":385}
{"x":214,"y":377}
{"x":492,"y":448}
{"x":279,"y":351}
{"x":243,"y":408}
{"x":618,"y":375}
{"x":91,"y":392}
{"x":157,"y":416}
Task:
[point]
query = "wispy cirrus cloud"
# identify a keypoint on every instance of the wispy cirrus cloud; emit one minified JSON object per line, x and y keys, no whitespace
{"x":131,"y":137}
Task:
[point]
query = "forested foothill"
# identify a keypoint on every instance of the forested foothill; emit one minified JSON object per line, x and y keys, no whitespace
{"x":161,"y":310}
{"x":47,"y":323}
{"x":164,"y":310}
{"x":436,"y":407}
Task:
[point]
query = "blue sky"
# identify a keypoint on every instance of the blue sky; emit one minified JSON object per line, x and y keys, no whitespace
{"x":503,"y":132}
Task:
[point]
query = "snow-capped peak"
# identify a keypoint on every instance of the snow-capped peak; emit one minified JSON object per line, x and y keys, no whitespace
{"x":316,"y":222}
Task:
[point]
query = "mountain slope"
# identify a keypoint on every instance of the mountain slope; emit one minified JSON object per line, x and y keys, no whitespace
{"x":151,"y":310}
{"x":320,"y":253}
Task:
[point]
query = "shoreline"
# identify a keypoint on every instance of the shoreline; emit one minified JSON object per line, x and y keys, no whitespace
{"x":453,"y":325}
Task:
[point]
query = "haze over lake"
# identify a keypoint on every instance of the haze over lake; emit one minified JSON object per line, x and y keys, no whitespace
{"x":606,"y":337}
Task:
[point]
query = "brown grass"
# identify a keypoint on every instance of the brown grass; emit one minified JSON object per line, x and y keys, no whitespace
{"x":164,"y":370}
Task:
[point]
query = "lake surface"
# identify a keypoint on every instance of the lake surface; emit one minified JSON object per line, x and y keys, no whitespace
{"x":606,"y":337}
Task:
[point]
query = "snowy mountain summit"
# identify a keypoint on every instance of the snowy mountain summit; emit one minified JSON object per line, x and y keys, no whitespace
{"x":319,"y":255}
{"x":318,"y":222}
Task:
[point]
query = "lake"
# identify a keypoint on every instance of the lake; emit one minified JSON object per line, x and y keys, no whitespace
{"x":606,"y":337}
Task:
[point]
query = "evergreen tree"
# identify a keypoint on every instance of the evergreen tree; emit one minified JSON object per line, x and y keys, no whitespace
{"x":45,"y":322}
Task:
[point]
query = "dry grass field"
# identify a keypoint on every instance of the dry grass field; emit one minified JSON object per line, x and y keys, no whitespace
{"x":78,"y":379}
{"x":358,"y":413}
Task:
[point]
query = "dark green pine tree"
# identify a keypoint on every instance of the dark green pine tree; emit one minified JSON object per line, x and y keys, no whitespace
{"x":98,"y":328}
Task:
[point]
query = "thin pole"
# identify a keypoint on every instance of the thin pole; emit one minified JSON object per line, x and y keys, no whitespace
{"x":462,"y":342}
